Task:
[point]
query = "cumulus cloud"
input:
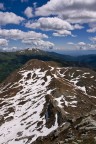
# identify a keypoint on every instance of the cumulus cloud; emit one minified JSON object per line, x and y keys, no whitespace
{"x":81,"y":43}
{"x":87,"y":47}
{"x":2,"y":6}
{"x":83,"y":46}
{"x":28,"y":12}
{"x":80,"y":16}
{"x":50,"y":23}
{"x":62,"y":33}
{"x":3,"y":42}
{"x":39,"y":43}
{"x":18,"y":34}
{"x":92,"y":30}
{"x":61,"y":27}
{"x":77,"y":26}
{"x":9,"y":18}
{"x":29,"y":38}
{"x":74,"y":11}
{"x":93,"y":39}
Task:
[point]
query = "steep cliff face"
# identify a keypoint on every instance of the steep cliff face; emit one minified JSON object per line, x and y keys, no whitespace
{"x":44,"y":103}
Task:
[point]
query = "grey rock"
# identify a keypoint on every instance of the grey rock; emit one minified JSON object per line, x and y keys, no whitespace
{"x":93,"y":112}
{"x":60,"y":142}
{"x":62,"y":128}
{"x":87,"y":123}
{"x":1,"y":119}
{"x":79,"y":141}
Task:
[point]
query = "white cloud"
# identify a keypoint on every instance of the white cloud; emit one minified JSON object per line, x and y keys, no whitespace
{"x":77,"y":26}
{"x":59,"y":26}
{"x":50,"y":23}
{"x":29,"y":38}
{"x":81,"y":43}
{"x":28,"y":12}
{"x":39,"y":43}
{"x":93,"y":39}
{"x":9,"y":18}
{"x":2,"y":6}
{"x":62,"y":33}
{"x":18,"y":34}
{"x":92,"y":30}
{"x":83,"y":46}
{"x":74,"y":11}
{"x":80,"y":16}
{"x":3,"y":42}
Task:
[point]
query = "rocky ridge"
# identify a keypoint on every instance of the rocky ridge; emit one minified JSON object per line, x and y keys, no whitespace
{"x":44,"y":103}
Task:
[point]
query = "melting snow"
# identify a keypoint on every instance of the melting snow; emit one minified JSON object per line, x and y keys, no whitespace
{"x":26,"y":116}
{"x":62,"y":100}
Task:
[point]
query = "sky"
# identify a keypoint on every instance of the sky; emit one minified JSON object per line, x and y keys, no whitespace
{"x":56,"y":25}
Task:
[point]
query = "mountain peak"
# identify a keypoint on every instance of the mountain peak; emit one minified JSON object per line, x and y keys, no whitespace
{"x":31,"y":50}
{"x":41,"y":100}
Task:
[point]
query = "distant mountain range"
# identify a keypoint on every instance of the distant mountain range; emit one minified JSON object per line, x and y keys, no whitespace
{"x":10,"y":61}
{"x":77,"y":52}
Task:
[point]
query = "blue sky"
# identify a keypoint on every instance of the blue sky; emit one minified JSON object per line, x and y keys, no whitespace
{"x":58,"y":25}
